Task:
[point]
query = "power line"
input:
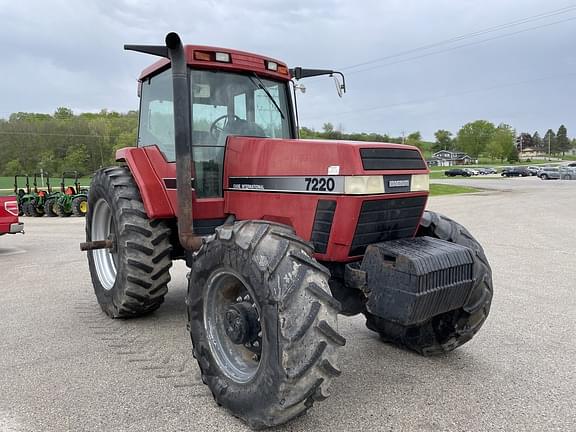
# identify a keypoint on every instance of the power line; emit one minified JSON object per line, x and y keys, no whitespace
{"x":462,"y":46}
{"x":465,"y":92}
{"x":492,"y":29}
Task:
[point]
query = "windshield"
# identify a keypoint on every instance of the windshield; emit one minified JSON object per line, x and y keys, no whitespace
{"x":225,"y":103}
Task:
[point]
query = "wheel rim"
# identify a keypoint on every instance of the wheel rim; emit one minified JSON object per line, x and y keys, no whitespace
{"x":226,"y":293}
{"x":102,"y":229}
{"x":83,"y":207}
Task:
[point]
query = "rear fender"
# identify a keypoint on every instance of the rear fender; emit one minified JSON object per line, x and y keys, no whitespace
{"x":152,"y":190}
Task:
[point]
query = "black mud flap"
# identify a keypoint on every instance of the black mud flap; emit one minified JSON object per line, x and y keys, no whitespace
{"x":410,"y":281}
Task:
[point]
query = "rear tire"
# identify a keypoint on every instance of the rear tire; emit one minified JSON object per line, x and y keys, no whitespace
{"x":35,"y":210}
{"x":59,"y":210}
{"x":132,"y":279}
{"x":445,"y":332}
{"x":79,"y":206}
{"x":27,"y":209}
{"x":297,"y":318}
{"x":49,"y":208}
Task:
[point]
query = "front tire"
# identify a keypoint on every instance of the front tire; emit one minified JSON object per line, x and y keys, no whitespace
{"x":132,"y":278}
{"x":80,"y":206}
{"x":274,"y":352}
{"x":60,"y":210}
{"x":447,"y":331}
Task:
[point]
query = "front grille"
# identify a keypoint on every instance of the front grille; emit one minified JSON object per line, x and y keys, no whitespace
{"x":391,"y":159}
{"x":382,"y":220}
{"x":322,"y":225}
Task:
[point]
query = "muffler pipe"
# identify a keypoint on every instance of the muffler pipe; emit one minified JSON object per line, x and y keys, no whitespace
{"x":174,"y":50}
{"x":183,"y":138}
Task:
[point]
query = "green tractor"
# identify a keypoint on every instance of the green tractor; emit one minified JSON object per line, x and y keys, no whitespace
{"x":36,"y":205}
{"x":22,"y":195}
{"x":71,"y":200}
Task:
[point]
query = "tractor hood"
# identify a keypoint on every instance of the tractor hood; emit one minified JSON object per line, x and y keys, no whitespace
{"x":322,"y":166}
{"x":246,"y":157}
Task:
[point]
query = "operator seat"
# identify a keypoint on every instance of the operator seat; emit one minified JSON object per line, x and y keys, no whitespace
{"x":240,"y":127}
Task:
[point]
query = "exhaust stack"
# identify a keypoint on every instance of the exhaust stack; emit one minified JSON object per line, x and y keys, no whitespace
{"x":174,"y":50}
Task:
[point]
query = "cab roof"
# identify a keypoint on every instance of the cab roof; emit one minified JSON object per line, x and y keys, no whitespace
{"x":204,"y":57}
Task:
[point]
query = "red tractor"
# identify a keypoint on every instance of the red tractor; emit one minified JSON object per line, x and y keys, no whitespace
{"x":280,"y":234}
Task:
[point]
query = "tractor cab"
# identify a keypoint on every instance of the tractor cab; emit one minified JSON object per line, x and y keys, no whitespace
{"x":225,"y":101}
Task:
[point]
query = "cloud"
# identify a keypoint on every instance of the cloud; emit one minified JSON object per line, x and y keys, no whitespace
{"x":70,"y":53}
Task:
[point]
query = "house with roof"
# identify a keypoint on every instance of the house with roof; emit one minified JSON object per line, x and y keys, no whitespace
{"x":449,"y":158}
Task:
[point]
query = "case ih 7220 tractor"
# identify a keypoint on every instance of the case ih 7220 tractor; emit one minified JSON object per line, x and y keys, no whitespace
{"x":280,"y":234}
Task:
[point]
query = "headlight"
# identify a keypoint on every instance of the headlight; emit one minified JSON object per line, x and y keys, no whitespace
{"x":420,"y":182}
{"x":363,"y":185}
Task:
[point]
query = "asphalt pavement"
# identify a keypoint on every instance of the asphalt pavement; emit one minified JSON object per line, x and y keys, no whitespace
{"x":64,"y":366}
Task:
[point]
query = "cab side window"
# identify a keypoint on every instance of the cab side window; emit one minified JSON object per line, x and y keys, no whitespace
{"x":156,"y":126}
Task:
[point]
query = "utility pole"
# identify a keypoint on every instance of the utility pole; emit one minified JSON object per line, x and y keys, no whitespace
{"x":403,"y":138}
{"x":549,"y":154}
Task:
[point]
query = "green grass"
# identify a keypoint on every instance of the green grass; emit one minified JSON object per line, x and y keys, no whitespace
{"x":7,"y":184}
{"x":444,"y":189}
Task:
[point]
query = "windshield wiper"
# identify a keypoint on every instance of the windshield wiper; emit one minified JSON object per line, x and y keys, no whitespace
{"x":261,"y":86}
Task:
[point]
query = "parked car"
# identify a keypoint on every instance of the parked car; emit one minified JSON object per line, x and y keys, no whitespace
{"x":516,"y":172}
{"x":534,"y":170}
{"x":473,"y":171}
{"x":9,"y":223}
{"x":549,"y":173}
{"x":486,"y":171}
{"x":572,"y":164}
{"x":567,"y":172}
{"x":457,"y":172}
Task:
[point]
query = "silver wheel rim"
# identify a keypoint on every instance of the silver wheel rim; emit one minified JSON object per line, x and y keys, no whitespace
{"x":102,"y":228}
{"x":239,"y":362}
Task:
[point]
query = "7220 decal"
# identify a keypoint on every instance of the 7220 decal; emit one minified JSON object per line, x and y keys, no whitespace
{"x":320,"y":184}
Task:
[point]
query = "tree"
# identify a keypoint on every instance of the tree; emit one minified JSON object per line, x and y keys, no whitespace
{"x":126,"y":139}
{"x":443,"y":140}
{"x":537,"y":142}
{"x":514,"y":155}
{"x":13,"y":167}
{"x":524,"y":141}
{"x":307,"y":133}
{"x":330,"y":132}
{"x":76,"y":159}
{"x":563,"y":144}
{"x":63,"y":141}
{"x":63,"y":113}
{"x":473,"y":138}
{"x":550,"y":141}
{"x":414,"y":139}
{"x":328,"y":128}
{"x":501,"y":145}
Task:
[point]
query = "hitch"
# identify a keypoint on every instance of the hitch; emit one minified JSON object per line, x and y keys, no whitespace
{"x":96,"y":244}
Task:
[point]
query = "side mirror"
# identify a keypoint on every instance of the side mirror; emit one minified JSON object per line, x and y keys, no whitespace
{"x":340,"y":88}
{"x":298,"y":73}
{"x":300,"y":87}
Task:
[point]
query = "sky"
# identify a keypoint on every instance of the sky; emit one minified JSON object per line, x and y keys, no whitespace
{"x":410,"y":65}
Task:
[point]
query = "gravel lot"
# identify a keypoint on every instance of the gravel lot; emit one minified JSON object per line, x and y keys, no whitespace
{"x":65,"y":366}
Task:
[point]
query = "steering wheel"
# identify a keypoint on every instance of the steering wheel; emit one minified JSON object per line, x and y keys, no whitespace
{"x":216,"y":129}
